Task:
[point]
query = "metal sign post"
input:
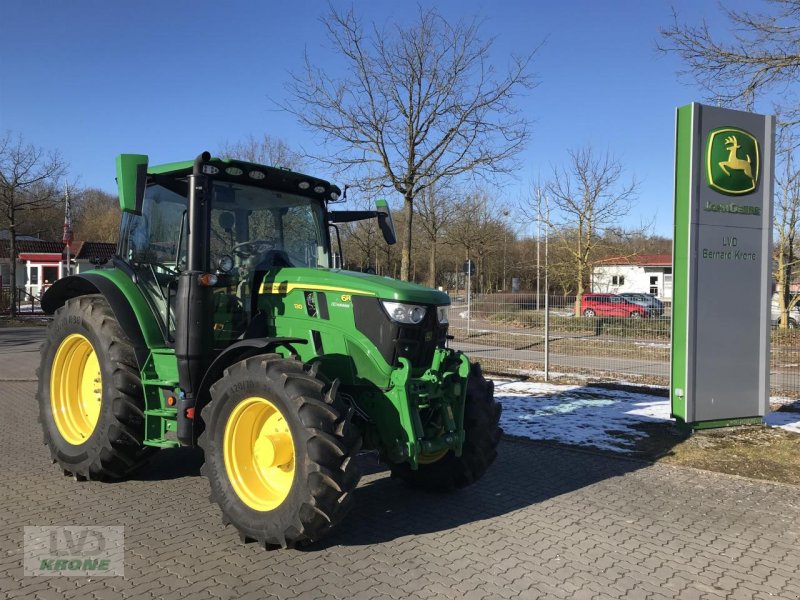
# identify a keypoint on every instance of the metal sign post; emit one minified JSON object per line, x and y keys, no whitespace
{"x":469,"y":271}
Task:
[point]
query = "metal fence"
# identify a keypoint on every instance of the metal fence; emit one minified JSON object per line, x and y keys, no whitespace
{"x":25,"y":302}
{"x":507,"y":332}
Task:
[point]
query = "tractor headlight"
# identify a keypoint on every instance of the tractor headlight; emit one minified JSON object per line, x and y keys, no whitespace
{"x":409,"y":314}
{"x":441,"y":314}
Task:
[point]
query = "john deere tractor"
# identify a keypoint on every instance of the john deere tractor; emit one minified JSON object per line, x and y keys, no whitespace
{"x":224,"y":321}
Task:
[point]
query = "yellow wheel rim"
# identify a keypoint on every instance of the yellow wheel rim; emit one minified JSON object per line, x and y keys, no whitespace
{"x":76,"y":389}
{"x":426,"y":459}
{"x":258,"y":450}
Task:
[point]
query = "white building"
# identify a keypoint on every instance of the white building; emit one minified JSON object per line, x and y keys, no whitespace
{"x":645,"y":273}
{"x":40,"y":263}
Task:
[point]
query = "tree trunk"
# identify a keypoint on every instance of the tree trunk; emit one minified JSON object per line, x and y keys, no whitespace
{"x":405,"y":253}
{"x":12,"y":253}
{"x":432,"y":265}
{"x":579,"y":294}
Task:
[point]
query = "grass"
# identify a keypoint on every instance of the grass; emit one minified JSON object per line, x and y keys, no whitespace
{"x":757,"y":452}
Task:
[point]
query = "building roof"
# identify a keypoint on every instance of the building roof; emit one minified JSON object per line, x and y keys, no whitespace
{"x":80,"y":250}
{"x":31,"y":247}
{"x":639,"y":260}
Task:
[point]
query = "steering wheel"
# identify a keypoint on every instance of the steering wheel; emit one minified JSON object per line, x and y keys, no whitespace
{"x":252,"y":248}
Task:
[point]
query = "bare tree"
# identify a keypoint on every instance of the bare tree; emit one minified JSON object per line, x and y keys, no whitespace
{"x":266,"y":150}
{"x":587,"y":198}
{"x":476,"y":232}
{"x":436,"y":208}
{"x":28,"y":181}
{"x":787,"y":228}
{"x":763,"y":54}
{"x":419,"y":105}
{"x":96,"y":215}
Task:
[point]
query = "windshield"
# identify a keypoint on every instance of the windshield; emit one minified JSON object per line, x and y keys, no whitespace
{"x":260,"y":229}
{"x":251,"y":231}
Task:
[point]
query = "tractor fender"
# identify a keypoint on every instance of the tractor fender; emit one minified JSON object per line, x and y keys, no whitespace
{"x":234,"y":353}
{"x":143,"y":336}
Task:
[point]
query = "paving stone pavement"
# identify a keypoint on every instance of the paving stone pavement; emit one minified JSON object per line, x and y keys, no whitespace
{"x":544,"y":523}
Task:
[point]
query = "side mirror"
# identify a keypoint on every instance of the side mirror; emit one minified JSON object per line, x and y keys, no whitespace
{"x":385,"y":222}
{"x":131,"y":181}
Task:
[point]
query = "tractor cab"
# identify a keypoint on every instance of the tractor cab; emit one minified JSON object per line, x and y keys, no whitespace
{"x":254,"y":219}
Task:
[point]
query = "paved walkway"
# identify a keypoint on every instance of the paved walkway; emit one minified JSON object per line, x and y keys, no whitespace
{"x":544,"y":523}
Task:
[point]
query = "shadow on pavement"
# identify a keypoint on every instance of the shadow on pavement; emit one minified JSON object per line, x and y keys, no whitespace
{"x":171,"y":463}
{"x":523,"y":475}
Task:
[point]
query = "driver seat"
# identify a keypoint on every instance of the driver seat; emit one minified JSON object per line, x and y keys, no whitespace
{"x":274,"y":258}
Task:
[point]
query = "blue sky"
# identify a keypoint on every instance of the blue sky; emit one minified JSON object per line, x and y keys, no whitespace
{"x":169,"y":79}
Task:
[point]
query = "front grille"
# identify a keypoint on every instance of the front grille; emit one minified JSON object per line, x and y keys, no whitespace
{"x":393,"y":340}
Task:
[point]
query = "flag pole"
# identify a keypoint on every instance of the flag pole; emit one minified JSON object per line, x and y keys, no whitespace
{"x":67,"y":236}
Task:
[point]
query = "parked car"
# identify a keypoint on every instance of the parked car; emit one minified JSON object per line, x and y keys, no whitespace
{"x":611,"y":305}
{"x":653,"y":305}
{"x":794,"y":314}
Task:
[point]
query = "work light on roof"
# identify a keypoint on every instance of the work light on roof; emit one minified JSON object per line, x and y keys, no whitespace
{"x":304,"y":185}
{"x":236,"y":171}
{"x":256,"y":175}
{"x":319,"y":189}
{"x":210,"y":170}
{"x":334,"y":196}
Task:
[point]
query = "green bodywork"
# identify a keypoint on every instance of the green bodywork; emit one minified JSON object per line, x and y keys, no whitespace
{"x":405,"y":412}
{"x":393,"y":396}
{"x":159,"y":371}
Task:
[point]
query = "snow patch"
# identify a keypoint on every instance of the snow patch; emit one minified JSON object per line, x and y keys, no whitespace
{"x":590,"y":416}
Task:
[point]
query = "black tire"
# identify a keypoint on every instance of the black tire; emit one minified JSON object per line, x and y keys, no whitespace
{"x":635,"y":315}
{"x":325,"y":443}
{"x":482,"y":434}
{"x":588,"y":312}
{"x":114,"y":447}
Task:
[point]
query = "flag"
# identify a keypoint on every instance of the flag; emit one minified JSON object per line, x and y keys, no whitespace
{"x":67,"y":236}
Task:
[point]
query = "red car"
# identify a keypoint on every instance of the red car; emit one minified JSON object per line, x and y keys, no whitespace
{"x":611,"y":305}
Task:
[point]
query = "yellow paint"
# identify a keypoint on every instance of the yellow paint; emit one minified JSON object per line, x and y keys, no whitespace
{"x":76,"y":389}
{"x":426,"y":459}
{"x":258,"y":451}
{"x":346,"y":297}
{"x":298,"y":306}
{"x":287,"y":288}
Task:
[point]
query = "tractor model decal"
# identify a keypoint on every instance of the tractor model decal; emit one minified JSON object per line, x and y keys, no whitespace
{"x":287,"y":288}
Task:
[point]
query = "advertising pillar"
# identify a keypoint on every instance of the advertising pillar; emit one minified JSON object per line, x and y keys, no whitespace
{"x":722,"y":249}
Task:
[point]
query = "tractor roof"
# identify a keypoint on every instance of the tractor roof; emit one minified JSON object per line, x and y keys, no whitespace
{"x":254,"y":174}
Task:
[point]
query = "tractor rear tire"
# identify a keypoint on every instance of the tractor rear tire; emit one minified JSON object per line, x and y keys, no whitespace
{"x":279,"y":450}
{"x":482,"y":434}
{"x":90,"y":393}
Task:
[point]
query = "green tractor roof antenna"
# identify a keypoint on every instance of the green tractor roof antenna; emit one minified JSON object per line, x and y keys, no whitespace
{"x":222,"y":322}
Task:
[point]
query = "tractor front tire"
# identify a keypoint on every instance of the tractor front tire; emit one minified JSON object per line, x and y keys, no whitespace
{"x":90,"y":393}
{"x":482,"y":434}
{"x":279,"y":451}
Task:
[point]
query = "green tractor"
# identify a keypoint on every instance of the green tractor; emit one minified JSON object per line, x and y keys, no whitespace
{"x":224,"y":322}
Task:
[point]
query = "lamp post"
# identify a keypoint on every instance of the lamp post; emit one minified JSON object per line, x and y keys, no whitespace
{"x":538,"y":242}
{"x":505,"y":238}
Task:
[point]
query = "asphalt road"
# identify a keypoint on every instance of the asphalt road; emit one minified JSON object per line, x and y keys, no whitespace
{"x":544,"y":522}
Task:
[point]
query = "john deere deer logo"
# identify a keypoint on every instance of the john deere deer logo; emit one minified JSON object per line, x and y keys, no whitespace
{"x":732,"y":161}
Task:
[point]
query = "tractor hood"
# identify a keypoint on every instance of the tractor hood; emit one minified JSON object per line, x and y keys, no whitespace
{"x":337,"y":281}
